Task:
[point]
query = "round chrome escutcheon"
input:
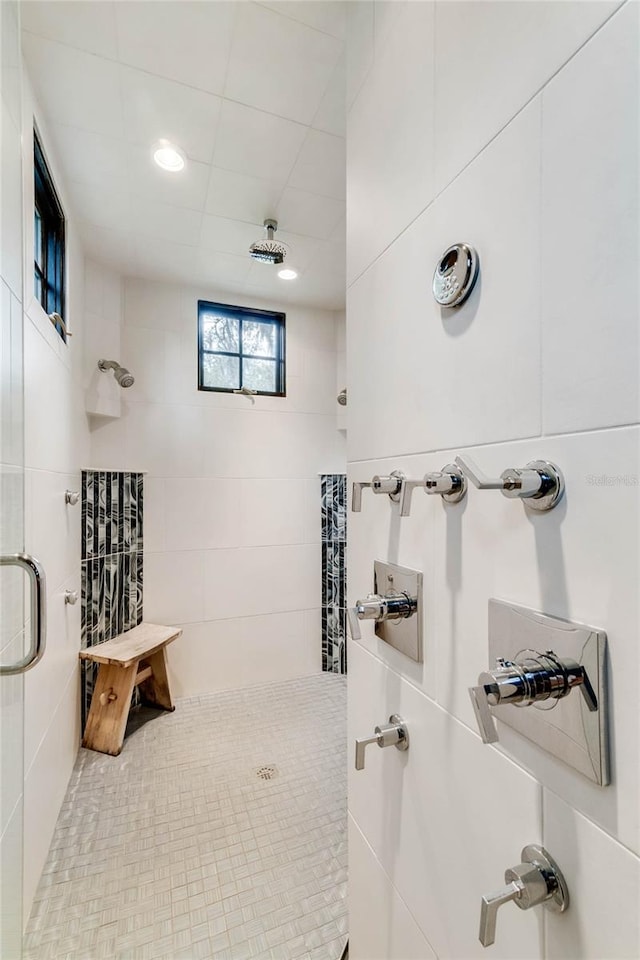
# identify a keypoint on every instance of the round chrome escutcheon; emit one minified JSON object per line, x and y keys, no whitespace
{"x":455,"y":275}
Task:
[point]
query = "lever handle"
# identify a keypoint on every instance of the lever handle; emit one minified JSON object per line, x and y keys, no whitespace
{"x":361,"y":745}
{"x":540,"y":483}
{"x":354,"y":623}
{"x":484,"y":716}
{"x":71,"y":497}
{"x":537,"y":879}
{"x":391,"y":485}
{"x":406,"y":493}
{"x":489,"y":910}
{"x":448,"y":482}
{"x":392,"y":734}
{"x":479,"y":479}
{"x":356,"y":494}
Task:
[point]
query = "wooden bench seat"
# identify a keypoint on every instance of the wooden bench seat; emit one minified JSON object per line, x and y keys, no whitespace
{"x":135,"y":658}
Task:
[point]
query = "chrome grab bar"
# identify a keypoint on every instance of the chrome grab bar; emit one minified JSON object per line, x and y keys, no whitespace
{"x":38,"y":611}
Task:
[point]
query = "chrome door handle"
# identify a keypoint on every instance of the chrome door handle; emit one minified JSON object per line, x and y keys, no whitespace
{"x":540,"y":483}
{"x":38,"y":607}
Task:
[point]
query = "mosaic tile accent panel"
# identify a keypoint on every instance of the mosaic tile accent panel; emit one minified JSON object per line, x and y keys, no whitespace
{"x":334,"y":572}
{"x":219,"y":833}
{"x":112,"y":552}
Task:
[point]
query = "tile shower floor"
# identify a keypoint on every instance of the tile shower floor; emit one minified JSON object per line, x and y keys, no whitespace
{"x":219,"y":833}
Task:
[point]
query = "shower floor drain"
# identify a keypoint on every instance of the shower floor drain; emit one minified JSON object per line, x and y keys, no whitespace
{"x":267,"y":772}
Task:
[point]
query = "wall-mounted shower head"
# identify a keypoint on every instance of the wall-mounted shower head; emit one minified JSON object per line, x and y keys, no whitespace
{"x":122,"y":375}
{"x":269,"y":250}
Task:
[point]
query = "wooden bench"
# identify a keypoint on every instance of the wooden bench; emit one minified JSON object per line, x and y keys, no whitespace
{"x":135,"y":658}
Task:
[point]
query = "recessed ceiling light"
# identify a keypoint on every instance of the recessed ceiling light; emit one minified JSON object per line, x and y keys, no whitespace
{"x":287,"y":274}
{"x":168,"y":156}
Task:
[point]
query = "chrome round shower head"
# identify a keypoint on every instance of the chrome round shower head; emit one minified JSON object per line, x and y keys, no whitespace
{"x":124,"y":378}
{"x":122,"y":375}
{"x":269,"y":250}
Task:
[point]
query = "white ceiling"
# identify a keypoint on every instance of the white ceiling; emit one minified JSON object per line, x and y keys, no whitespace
{"x":254,"y":95}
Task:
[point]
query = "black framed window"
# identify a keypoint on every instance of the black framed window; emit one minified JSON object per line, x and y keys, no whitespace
{"x":241,"y":347}
{"x":48,"y":240}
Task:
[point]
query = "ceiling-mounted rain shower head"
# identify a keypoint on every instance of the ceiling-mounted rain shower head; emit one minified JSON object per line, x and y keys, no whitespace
{"x":269,"y":250}
{"x":122,"y":375}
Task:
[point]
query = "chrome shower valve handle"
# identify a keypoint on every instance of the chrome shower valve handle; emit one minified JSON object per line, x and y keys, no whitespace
{"x":540,"y":483}
{"x":392,"y":734}
{"x":379,"y":607}
{"x":449,"y":482}
{"x":527,"y":681}
{"x":537,"y":879}
{"x":391,"y":485}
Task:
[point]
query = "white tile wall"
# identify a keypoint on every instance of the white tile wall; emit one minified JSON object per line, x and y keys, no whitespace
{"x":391,"y":169}
{"x":490,"y":58}
{"x":532,"y":127}
{"x":232,"y":494}
{"x":294,"y":61}
{"x":389,"y":930}
{"x":592,"y":326}
{"x":431,"y":360}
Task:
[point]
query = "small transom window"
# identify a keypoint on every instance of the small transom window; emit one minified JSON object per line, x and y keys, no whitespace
{"x":48,"y":242}
{"x":240,"y":348}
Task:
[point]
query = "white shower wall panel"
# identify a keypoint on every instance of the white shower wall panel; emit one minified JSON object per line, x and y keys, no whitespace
{"x":541,"y":362}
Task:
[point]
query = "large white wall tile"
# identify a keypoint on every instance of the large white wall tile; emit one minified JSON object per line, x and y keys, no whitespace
{"x":249,"y":582}
{"x":590,"y":287}
{"x":202,"y":513}
{"x":166,"y":439}
{"x":95,"y":105}
{"x":52,"y":527}
{"x":389,"y":930}
{"x":156,"y":108}
{"x":197,"y":34}
{"x":278,"y":64}
{"x":11,"y":66}
{"x":490,"y":59}
{"x":437,"y":377}
{"x":91,"y":27}
{"x":256,"y":143}
{"x":279,"y":511}
{"x":603,"y":878}
{"x":390,"y":169}
{"x":320,"y":167}
{"x":433,"y":828}
{"x":11,"y":228}
{"x":245,"y":651}
{"x":174,"y":587}
{"x":359,"y":33}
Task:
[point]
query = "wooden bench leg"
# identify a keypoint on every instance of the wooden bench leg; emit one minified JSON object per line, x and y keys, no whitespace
{"x":107,"y":720}
{"x":156,"y":688}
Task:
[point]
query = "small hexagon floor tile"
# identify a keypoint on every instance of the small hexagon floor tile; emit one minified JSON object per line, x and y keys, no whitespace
{"x":219,"y":833}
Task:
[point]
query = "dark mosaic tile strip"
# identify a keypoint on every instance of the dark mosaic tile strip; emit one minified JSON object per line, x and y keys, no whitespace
{"x":112,"y":562}
{"x":333,"y":490}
